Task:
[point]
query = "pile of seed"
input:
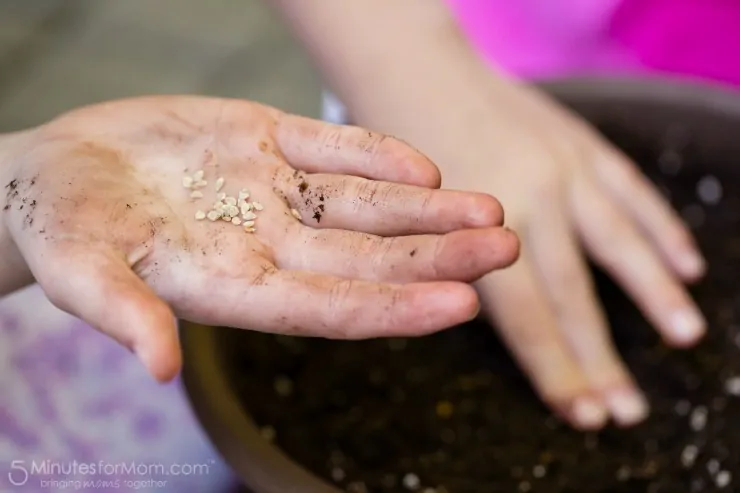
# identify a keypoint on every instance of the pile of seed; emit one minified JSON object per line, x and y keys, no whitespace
{"x":237,"y":210}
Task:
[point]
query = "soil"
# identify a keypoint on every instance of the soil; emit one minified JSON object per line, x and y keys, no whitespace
{"x":453,"y":413}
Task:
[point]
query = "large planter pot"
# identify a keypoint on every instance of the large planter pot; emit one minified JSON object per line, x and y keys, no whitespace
{"x":697,"y":123}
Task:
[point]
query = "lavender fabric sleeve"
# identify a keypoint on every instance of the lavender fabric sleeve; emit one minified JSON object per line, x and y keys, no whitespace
{"x":69,"y":394}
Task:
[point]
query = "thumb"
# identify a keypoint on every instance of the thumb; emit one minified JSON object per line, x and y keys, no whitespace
{"x":99,"y":287}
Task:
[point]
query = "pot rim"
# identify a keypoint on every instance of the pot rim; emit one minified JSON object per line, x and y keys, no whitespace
{"x":262,"y":466}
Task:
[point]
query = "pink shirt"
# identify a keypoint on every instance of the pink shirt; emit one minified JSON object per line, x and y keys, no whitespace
{"x":546,"y":38}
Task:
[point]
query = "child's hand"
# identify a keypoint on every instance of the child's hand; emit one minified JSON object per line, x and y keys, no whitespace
{"x":567,"y":192}
{"x":98,"y":206}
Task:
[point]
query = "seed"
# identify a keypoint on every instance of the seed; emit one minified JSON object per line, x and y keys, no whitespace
{"x":243,"y":195}
{"x":195,"y":194}
{"x":249,"y":216}
{"x":682,"y":407}
{"x":249,"y":224}
{"x":624,"y":474}
{"x":226,"y":218}
{"x":231,"y":210}
{"x":198,"y":175}
{"x":219,"y":184}
{"x":357,"y":487}
{"x":249,"y":229}
{"x":723,"y":479}
{"x":230,"y":201}
{"x":295,"y":213}
{"x":236,"y":221}
{"x":200,"y":215}
{"x":257,"y":206}
{"x":200,"y":184}
{"x":688,"y":455}
{"x":698,"y":419}
{"x":732,"y":386}
{"x":411,"y":481}
{"x":245,"y":208}
{"x":337,"y":474}
{"x":187,"y":181}
{"x":213,"y":216}
{"x":709,"y":190}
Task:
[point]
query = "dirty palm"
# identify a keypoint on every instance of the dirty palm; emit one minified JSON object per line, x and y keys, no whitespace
{"x":225,"y":212}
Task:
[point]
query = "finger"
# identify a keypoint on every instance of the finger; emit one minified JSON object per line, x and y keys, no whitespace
{"x":319,"y":147}
{"x":618,"y":247}
{"x":310,"y":304}
{"x":384,"y":208}
{"x":652,"y":213}
{"x":97,"y":286}
{"x":529,"y":328}
{"x":567,"y":284}
{"x":463,"y":256}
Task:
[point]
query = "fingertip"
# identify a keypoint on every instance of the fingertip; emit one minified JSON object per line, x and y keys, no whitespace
{"x":411,"y":166}
{"x":628,"y":407}
{"x":440,"y":305}
{"x":586,"y":413}
{"x":163,"y":363}
{"x":686,"y":327}
{"x":691,"y":266}
{"x":484,"y":211}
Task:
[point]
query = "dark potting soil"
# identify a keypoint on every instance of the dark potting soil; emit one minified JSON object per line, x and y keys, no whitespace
{"x":451,"y":412}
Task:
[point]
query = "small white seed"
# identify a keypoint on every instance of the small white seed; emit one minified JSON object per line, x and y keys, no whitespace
{"x":257,"y":206}
{"x":245,"y":208}
{"x":236,"y":221}
{"x":230,"y":201}
{"x":196,"y":194}
{"x":200,"y":184}
{"x":689,"y":455}
{"x":200,"y":215}
{"x":231,"y":210}
{"x":249,"y":216}
{"x":226,"y":218}
{"x":187,"y":181}
{"x":722,"y":479}
{"x":248,"y":224}
{"x":732,"y":386}
{"x":411,"y":481}
{"x":219,"y":184}
{"x":213,"y":216}
{"x":249,"y":229}
{"x":243,"y":195}
{"x":698,"y":418}
{"x":296,"y":214}
{"x":198,"y":175}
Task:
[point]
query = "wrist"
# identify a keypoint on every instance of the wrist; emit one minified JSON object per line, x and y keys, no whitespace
{"x":14,"y":273}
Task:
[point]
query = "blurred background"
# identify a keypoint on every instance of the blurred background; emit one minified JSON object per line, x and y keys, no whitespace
{"x":58,"y":54}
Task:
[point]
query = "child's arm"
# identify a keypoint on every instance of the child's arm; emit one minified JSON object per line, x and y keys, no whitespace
{"x":402,"y":67}
{"x":389,"y":60}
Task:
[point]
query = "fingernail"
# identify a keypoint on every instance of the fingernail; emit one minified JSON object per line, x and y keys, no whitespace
{"x":692,"y":264}
{"x":589,"y":413}
{"x":627,"y":406}
{"x":687,"y":326}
